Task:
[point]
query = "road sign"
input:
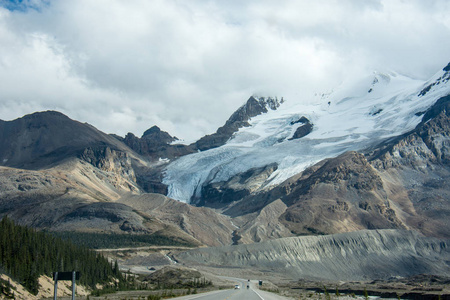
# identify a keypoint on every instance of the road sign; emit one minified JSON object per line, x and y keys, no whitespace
{"x":65,"y":275}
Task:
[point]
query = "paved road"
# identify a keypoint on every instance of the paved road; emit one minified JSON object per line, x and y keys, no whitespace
{"x":242,"y":293}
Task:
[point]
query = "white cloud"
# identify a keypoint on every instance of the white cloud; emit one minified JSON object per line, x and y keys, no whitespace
{"x":187,"y":65}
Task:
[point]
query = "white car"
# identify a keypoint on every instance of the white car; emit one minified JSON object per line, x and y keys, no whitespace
{"x":237,"y":286}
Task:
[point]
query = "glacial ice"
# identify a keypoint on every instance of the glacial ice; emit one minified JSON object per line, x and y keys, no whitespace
{"x":350,"y":118}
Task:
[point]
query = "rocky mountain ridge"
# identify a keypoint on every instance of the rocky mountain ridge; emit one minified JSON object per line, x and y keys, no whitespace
{"x":157,"y":144}
{"x":92,"y":181}
{"x":61,"y":175}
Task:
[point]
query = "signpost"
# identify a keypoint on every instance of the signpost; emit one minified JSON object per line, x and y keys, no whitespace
{"x":65,"y":276}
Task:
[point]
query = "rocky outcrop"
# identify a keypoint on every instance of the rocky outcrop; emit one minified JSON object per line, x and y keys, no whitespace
{"x":303,"y":130}
{"x":157,"y":144}
{"x":441,"y":80}
{"x":116,"y":164}
{"x":252,"y":108}
{"x":364,"y":255}
{"x":219,"y":194}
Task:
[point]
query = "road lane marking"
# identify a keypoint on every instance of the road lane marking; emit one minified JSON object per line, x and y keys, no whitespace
{"x":212,"y":293}
{"x":206,"y":294}
{"x":230,"y":295}
{"x":258,"y":294}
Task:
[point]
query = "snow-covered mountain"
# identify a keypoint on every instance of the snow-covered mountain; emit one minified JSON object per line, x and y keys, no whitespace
{"x":355,"y":116}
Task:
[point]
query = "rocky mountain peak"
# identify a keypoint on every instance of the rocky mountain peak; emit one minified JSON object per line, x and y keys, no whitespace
{"x":158,"y":136}
{"x":152,"y":130}
{"x":447,"y":68}
{"x":156,"y":144}
{"x":45,"y":115}
{"x":253,"y":107}
{"x":39,"y":119}
{"x":43,"y":138}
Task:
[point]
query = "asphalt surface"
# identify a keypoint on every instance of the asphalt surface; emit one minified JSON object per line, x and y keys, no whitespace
{"x":252,"y":293}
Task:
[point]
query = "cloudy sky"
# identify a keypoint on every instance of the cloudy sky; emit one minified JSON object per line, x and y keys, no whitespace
{"x":186,"y":65}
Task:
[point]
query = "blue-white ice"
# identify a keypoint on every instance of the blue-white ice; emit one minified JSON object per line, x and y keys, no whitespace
{"x":350,"y":118}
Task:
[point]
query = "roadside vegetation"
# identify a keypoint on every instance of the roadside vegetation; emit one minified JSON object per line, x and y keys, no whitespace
{"x":166,"y":283}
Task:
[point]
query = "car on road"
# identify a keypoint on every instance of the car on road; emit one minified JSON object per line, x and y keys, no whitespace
{"x":237,"y":286}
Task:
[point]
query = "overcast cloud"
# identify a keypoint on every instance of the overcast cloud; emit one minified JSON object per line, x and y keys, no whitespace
{"x":124,"y":66}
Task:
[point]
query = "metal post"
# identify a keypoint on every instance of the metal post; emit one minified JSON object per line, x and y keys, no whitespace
{"x":73,"y":285}
{"x":56,"y":285}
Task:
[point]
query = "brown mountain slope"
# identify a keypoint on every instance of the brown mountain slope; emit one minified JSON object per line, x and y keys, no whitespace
{"x":76,"y":196}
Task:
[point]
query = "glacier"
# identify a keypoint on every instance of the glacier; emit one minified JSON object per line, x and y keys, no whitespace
{"x":354,"y":116}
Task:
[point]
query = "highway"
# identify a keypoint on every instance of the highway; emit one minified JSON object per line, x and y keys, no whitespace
{"x":242,"y":293}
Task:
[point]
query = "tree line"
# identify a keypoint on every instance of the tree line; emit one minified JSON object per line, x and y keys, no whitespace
{"x":26,"y":254}
{"x":113,"y":240}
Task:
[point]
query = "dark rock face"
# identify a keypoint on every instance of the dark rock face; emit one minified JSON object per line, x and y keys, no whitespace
{"x":447,"y":68}
{"x":157,"y":135}
{"x":150,"y":179}
{"x":152,"y":186}
{"x":156,"y":144}
{"x":219,"y":194}
{"x":443,"y":79}
{"x":252,"y":108}
{"x":303,"y":130}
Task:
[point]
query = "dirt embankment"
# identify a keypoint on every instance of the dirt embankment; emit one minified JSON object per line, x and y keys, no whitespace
{"x":357,"y":256}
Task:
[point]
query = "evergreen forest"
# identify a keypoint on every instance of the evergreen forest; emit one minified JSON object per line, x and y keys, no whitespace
{"x":26,"y":254}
